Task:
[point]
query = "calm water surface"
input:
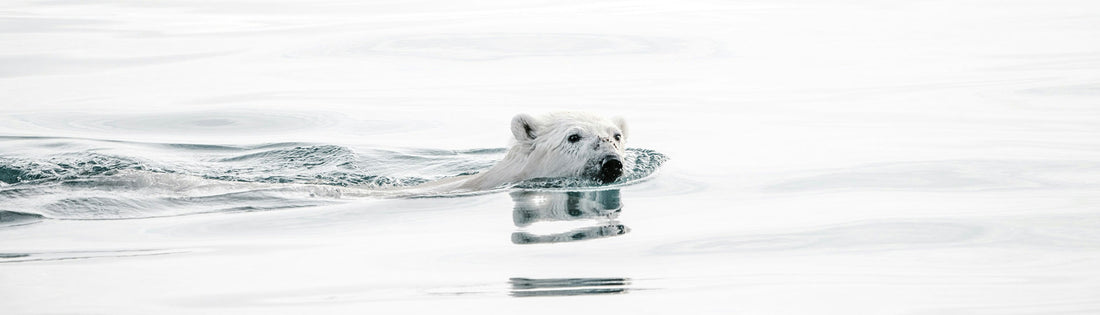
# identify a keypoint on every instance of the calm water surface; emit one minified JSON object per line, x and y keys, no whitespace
{"x":822,"y":157}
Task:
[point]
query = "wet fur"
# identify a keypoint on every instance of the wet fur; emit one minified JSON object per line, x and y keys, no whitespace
{"x":542,"y":150}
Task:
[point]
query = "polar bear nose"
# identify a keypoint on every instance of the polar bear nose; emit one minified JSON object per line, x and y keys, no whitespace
{"x":610,"y":169}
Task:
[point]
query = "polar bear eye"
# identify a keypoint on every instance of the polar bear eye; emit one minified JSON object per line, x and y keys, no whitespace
{"x":618,"y":137}
{"x":574,"y":138}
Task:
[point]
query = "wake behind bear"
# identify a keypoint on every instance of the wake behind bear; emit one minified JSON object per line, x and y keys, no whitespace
{"x":559,"y":144}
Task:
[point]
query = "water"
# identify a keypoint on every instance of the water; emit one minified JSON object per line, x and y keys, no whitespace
{"x":790,"y":157}
{"x":95,"y":179}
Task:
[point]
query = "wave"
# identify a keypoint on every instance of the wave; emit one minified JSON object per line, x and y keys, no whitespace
{"x":87,"y":179}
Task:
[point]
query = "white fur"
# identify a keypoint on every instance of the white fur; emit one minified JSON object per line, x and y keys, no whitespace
{"x":541,"y":149}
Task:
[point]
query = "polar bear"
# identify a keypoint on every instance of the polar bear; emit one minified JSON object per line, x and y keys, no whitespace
{"x":558,"y":144}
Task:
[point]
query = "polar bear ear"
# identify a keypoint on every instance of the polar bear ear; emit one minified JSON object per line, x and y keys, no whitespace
{"x":523,"y":127}
{"x":621,"y":123}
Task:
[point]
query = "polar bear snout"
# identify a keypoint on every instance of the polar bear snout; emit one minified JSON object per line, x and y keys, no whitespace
{"x":610,"y":169}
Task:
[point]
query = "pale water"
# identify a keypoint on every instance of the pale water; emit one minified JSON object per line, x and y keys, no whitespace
{"x":788,"y":157}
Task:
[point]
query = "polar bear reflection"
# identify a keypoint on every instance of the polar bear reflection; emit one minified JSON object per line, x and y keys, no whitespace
{"x":602,"y":207}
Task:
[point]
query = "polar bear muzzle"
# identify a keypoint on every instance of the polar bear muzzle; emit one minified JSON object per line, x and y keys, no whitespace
{"x":610,"y":169}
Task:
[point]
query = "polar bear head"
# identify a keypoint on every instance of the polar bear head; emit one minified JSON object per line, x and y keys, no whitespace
{"x":569,"y":144}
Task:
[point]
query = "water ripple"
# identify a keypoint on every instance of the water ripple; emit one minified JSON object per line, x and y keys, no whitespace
{"x":31,"y":65}
{"x":67,"y":178}
{"x":54,"y":256}
{"x":951,"y":175}
{"x":495,"y":46}
{"x":12,"y":218}
{"x":1064,"y":232}
{"x":213,"y":122}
